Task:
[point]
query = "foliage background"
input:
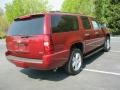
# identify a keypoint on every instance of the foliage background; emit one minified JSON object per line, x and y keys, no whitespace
{"x":107,"y":11}
{"x":22,"y":7}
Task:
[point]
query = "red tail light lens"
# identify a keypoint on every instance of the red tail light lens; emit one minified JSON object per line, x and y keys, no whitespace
{"x":7,"y":53}
{"x":48,"y":44}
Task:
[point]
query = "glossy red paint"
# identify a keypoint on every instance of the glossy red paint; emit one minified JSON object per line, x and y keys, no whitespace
{"x":52,"y":49}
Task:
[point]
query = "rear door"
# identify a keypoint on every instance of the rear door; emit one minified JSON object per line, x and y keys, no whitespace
{"x":89,"y":35}
{"x":99,"y":34}
{"x":63,"y":28}
{"x":25,"y":37}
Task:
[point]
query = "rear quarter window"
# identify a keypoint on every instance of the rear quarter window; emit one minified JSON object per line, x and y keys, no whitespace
{"x":96,"y":25}
{"x":63,"y":23}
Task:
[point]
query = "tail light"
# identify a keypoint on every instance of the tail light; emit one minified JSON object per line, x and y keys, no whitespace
{"x":48,"y":44}
{"x":7,"y":53}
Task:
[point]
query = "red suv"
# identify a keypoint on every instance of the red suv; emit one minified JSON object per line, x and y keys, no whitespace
{"x":51,"y":40}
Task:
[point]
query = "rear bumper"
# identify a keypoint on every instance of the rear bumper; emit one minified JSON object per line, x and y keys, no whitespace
{"x":48,"y":62}
{"x":10,"y":57}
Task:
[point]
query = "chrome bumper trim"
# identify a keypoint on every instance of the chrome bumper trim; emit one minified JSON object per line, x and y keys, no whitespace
{"x":10,"y":57}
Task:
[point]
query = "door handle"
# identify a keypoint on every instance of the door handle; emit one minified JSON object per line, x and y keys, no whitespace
{"x":96,"y":33}
{"x":87,"y":34}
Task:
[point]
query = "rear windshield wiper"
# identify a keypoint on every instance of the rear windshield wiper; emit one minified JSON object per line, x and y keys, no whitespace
{"x":29,"y":17}
{"x":25,"y":36}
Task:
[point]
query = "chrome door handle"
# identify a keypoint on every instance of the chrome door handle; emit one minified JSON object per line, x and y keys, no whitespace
{"x":96,"y":33}
{"x":87,"y":34}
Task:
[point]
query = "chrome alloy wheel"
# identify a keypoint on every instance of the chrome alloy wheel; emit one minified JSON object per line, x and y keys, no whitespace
{"x":76,"y":61}
{"x":108,"y":43}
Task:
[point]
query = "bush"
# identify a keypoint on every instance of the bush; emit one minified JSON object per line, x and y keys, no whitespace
{"x":3,"y":26}
{"x":2,"y":35}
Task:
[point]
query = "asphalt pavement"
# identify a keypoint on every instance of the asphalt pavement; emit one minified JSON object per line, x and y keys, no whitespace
{"x":101,"y":72}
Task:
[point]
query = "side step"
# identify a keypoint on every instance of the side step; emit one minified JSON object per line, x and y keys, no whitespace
{"x":93,"y":52}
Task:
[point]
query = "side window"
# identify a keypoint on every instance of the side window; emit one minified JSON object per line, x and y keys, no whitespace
{"x":63,"y":23}
{"x":96,"y":26}
{"x":86,"y":23}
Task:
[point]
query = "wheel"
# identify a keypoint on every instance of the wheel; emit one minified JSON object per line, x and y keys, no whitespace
{"x":74,"y":65}
{"x":107,"y":45}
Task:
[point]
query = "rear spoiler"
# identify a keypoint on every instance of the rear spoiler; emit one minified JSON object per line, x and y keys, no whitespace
{"x":28,"y":17}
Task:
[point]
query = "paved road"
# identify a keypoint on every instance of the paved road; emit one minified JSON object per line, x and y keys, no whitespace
{"x":101,"y":72}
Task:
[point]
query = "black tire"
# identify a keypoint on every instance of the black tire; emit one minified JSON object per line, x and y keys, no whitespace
{"x":69,"y":67}
{"x":106,"y":46}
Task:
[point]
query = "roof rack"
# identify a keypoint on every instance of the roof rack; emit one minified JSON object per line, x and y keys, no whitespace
{"x":54,"y":11}
{"x":61,"y":12}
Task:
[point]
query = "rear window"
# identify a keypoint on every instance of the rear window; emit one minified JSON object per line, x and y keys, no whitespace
{"x":30,"y":26}
{"x":63,"y":23}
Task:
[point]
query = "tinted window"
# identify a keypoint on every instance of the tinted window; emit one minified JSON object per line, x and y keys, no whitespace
{"x":96,"y":26}
{"x":86,"y":23}
{"x":31,"y":26}
{"x":63,"y":23}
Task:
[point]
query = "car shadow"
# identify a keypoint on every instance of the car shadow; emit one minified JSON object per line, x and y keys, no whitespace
{"x":92,"y":58}
{"x":60,"y":73}
{"x":46,"y":75}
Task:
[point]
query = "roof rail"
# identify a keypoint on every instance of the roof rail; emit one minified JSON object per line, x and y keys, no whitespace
{"x":62,"y":12}
{"x":54,"y":11}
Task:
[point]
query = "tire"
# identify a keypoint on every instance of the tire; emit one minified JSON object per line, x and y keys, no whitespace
{"x":106,"y":45}
{"x":74,"y":65}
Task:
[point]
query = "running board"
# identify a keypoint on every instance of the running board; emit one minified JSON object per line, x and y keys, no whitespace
{"x":94,"y":52}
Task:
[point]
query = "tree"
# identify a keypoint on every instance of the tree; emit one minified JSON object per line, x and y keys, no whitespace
{"x":1,"y":11}
{"x":3,"y":25}
{"x":85,"y":7}
{"x":113,"y":18}
{"x":101,"y":9}
{"x":22,"y":7}
{"x":108,"y":11}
